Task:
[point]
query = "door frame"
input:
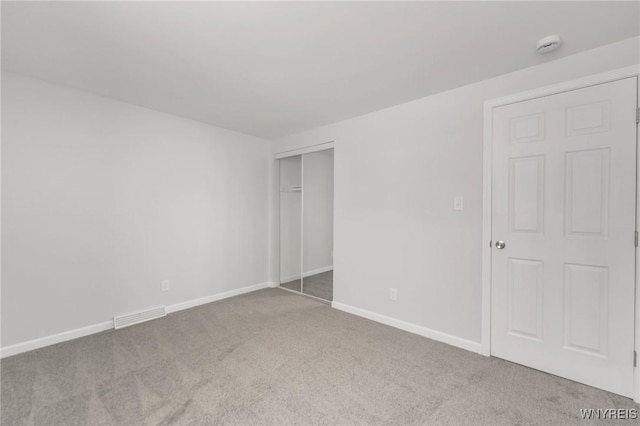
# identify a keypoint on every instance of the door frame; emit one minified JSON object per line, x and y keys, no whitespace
{"x":606,"y":77}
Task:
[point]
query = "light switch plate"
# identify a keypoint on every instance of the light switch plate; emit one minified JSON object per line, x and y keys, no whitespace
{"x":458,"y":202}
{"x":393,"y":294}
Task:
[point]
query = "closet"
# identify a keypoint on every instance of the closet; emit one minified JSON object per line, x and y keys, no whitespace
{"x":306,"y":223}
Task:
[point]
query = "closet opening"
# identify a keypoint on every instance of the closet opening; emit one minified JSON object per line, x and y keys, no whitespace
{"x":305,"y":223}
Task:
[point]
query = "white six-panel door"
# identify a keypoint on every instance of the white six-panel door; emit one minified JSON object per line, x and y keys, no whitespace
{"x":564,"y":203}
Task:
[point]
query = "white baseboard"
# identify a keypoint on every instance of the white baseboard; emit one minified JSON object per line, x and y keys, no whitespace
{"x":208,"y":299}
{"x":411,"y":328}
{"x":308,"y":273}
{"x":108,"y":325}
{"x":55,"y":338}
{"x":318,"y":271}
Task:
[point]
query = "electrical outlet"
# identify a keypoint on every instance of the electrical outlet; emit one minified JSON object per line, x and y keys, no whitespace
{"x":165,"y":285}
{"x":393,"y":294}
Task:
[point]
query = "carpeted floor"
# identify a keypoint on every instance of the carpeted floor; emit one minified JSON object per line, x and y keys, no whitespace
{"x":318,"y":285}
{"x":277,"y":358}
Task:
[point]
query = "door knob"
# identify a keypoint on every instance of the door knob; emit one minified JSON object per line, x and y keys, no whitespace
{"x":500,"y":245}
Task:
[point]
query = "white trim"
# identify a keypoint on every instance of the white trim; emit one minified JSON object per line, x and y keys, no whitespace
{"x":567,"y":86}
{"x":275,"y":223}
{"x":55,"y":338}
{"x":411,"y":328}
{"x":108,"y":325}
{"x":302,"y":157}
{"x":216,"y":297}
{"x":308,"y":273}
{"x":487,"y":168}
{"x":270,"y":218}
{"x":318,"y":271}
{"x":305,"y":150}
{"x":636,"y":376}
{"x":606,"y":77}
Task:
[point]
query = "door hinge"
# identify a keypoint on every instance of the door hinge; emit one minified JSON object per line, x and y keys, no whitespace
{"x":638,"y":115}
{"x":635,"y":358}
{"x":635,"y":239}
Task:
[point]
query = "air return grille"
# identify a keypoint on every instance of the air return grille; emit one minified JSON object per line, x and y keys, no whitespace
{"x":138,"y":317}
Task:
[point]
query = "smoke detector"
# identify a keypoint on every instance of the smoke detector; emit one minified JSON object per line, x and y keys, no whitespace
{"x":548,"y":44}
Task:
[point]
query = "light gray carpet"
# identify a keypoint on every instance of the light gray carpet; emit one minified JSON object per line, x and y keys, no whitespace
{"x":277,"y":358}
{"x":318,"y":285}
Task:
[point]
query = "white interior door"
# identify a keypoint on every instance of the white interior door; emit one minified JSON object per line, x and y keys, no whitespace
{"x":564,"y":203}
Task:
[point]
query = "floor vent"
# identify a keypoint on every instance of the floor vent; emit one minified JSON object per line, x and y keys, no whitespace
{"x":138,"y":317}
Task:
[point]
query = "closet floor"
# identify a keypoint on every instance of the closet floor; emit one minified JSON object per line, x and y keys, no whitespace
{"x":319,"y":285}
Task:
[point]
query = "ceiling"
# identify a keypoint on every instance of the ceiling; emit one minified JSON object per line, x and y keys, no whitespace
{"x":276,"y":68}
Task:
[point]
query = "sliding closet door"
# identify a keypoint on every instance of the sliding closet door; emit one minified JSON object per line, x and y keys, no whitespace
{"x":291,"y":223}
{"x":317,"y":224}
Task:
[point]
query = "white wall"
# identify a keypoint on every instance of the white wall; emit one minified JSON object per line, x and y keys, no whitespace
{"x":318,"y":211}
{"x":102,"y":200}
{"x":396,"y":174}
